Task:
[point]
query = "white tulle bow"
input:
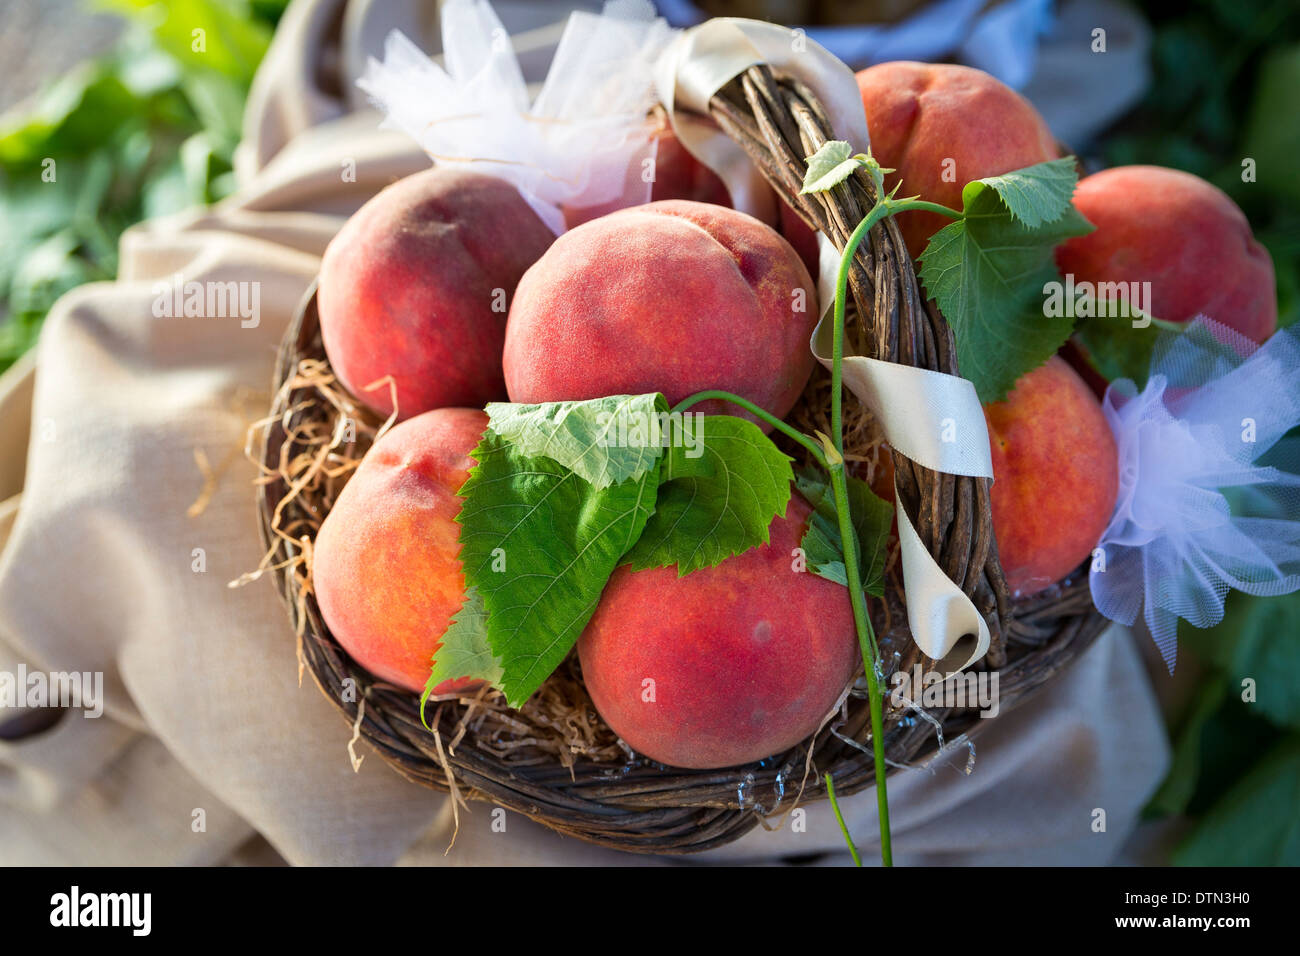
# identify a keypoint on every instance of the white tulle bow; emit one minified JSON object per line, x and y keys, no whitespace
{"x":1209,"y":495}
{"x":576,"y":145}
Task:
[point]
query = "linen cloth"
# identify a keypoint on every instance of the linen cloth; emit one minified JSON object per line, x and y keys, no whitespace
{"x":208,"y":749}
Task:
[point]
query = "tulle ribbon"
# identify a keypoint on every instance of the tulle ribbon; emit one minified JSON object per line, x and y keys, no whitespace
{"x":1209,"y":487}
{"x":580,"y":143}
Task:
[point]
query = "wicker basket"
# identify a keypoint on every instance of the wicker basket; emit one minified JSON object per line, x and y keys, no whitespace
{"x":630,"y":804}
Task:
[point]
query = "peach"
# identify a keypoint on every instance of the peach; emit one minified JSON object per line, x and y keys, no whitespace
{"x":386,"y":567}
{"x":415,"y":285}
{"x":671,"y":297}
{"x":677,"y":175}
{"x":1055,"y":476}
{"x":1181,"y":234}
{"x":801,"y":236}
{"x":939,"y":126}
{"x":726,"y":665}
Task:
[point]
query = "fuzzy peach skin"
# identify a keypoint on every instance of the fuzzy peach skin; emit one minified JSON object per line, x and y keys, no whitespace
{"x":673,"y":297}
{"x":385,"y":567}
{"x":409,"y":288}
{"x":1055,"y":476}
{"x":920,"y":115}
{"x":746,"y":658}
{"x":1181,"y":234}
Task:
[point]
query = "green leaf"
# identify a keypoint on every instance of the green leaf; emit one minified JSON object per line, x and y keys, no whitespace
{"x":719,"y":490}
{"x":833,"y":163}
{"x":48,"y":271}
{"x":823,"y":547}
{"x":216,"y":35}
{"x":1119,"y":350}
{"x":1272,"y":137}
{"x":77,"y":114}
{"x":1257,"y":823}
{"x":1257,"y":641}
{"x":605,"y":440}
{"x":539,"y":543}
{"x":1034,"y":195}
{"x":987,"y":272}
{"x":464,"y":651}
{"x":1179,"y":785}
{"x":218,"y":102}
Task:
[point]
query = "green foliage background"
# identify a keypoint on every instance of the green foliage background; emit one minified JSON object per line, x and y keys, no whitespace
{"x":1226,"y":76}
{"x":147,"y":130}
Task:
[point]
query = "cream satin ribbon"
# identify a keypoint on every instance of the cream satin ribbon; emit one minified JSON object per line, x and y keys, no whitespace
{"x":935,"y":420}
{"x":703,"y":59}
{"x":932,"y":418}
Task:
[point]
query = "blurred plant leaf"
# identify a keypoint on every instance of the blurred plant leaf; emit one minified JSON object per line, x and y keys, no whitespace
{"x":217,"y":35}
{"x":1257,"y":822}
{"x":1119,"y":350}
{"x":1258,"y":641}
{"x":77,"y":114}
{"x":147,"y":130}
{"x":1179,"y":786}
{"x":1273,"y":132}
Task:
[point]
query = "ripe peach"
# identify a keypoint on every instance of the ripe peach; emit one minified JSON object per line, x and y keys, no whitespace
{"x":1181,"y":234}
{"x":677,"y":175}
{"x":386,"y":567}
{"x":1055,"y":476}
{"x":801,"y":236}
{"x":723,"y":666}
{"x":939,"y":126}
{"x":673,"y":297}
{"x":415,"y":284}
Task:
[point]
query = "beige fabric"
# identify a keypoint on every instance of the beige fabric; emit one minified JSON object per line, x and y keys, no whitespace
{"x":203,"y":708}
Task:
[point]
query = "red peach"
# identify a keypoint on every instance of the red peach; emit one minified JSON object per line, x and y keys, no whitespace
{"x":677,"y":175}
{"x":1055,"y":476}
{"x":673,"y":297}
{"x":801,"y":236}
{"x":1181,"y":234}
{"x":386,"y":567}
{"x":415,"y":285}
{"x":940,"y":126}
{"x":726,"y":665}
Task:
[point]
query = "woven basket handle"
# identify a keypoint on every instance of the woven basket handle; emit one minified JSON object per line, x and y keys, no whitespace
{"x":778,"y":121}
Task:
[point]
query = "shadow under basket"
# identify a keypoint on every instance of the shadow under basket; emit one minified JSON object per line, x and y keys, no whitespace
{"x":599,"y":791}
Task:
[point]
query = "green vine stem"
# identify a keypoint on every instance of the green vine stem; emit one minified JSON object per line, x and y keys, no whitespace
{"x":831,"y":458}
{"x":761,"y":413}
{"x":835,"y":805}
